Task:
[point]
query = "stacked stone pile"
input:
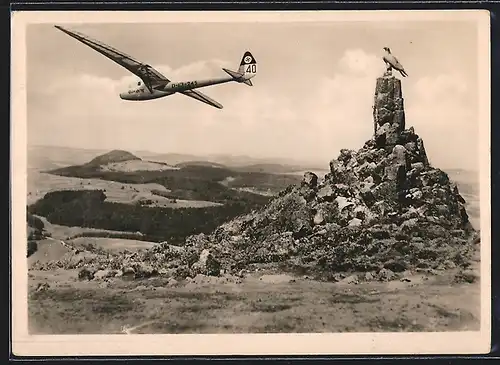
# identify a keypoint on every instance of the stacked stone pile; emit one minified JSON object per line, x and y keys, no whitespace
{"x":382,"y":210}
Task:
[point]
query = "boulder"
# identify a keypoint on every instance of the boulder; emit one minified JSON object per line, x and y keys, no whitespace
{"x":399,"y":156}
{"x":386,"y":275}
{"x":409,"y":225}
{"x":310,"y":179}
{"x":319,"y":218}
{"x":367,"y":170}
{"x":335,"y":168}
{"x":421,"y":152}
{"x":326,"y":193}
{"x":172,"y":282}
{"x":342,"y":203}
{"x":128,"y":271}
{"x":387,"y":135}
{"x":144,"y":271}
{"x":369,"y":276}
{"x":206,"y":264}
{"x":345,"y":156}
{"x":103,"y":274}
{"x":418,"y":167}
{"x":352,"y":279}
{"x":355,"y":222}
{"x":86,"y":273}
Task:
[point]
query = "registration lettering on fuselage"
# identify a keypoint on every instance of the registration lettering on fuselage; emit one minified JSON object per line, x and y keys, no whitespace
{"x":187,"y":84}
{"x":136,"y":91}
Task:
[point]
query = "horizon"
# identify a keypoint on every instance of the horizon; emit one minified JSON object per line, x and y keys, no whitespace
{"x":271,"y":159}
{"x":299,"y":101}
{"x":306,"y":164}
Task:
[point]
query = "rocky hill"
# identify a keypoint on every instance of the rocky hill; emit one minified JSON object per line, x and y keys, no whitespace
{"x":114,"y":156}
{"x":113,"y":161}
{"x":381,"y":210}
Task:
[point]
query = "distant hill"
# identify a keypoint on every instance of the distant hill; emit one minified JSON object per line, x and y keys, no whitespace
{"x":114,"y":156}
{"x":272,"y":168}
{"x":467,"y":179}
{"x":265,"y":168}
{"x":230,"y":161}
{"x":201,"y":163}
{"x":118,"y":161}
{"x":52,"y":157}
{"x":192,"y":180}
{"x":170,"y":158}
{"x":242,"y":161}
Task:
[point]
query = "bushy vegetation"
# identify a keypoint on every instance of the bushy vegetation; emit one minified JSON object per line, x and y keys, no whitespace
{"x":35,"y":222}
{"x":264,"y":181}
{"x":88,"y":208}
{"x":35,"y":232}
{"x":189,"y":172}
{"x":32,"y":248}
{"x":192,"y":182}
{"x":85,"y":208}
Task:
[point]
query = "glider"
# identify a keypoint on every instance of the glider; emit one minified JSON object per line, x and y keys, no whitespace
{"x":154,"y":85}
{"x":392,"y":62}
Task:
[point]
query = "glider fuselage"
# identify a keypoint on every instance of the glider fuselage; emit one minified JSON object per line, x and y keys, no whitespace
{"x":154,"y":85}
{"x":141,"y":92}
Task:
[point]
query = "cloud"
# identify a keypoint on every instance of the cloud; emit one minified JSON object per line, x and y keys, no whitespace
{"x":446,"y":116}
{"x":444,"y":87}
{"x":311,"y":122}
{"x":358,"y":63}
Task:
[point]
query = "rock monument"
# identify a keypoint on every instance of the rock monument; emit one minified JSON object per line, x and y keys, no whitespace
{"x":383,"y":210}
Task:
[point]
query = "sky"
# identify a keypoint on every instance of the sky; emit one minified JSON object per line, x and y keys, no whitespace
{"x":312,"y":96}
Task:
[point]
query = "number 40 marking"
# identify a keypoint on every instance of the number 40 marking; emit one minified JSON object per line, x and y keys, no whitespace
{"x":252,"y":68}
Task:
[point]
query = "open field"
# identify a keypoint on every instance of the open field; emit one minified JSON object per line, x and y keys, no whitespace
{"x":257,"y":191}
{"x":48,"y":250}
{"x":254,"y":304}
{"x":257,"y":303}
{"x":137,"y":165}
{"x":60,"y":232}
{"x":52,"y":249}
{"x":113,"y":245}
{"x":60,"y":303}
{"x":40,"y":183}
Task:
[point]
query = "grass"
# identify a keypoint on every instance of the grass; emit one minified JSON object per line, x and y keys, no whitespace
{"x":442,"y":312}
{"x":270,"y":307}
{"x":251,"y":307}
{"x":351,"y":298}
{"x":69,"y":311}
{"x":380,"y":324}
{"x":66,"y":232}
{"x":111,"y":244}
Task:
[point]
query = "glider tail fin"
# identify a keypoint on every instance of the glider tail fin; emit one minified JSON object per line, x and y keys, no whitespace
{"x":247,"y":69}
{"x":248,"y":66}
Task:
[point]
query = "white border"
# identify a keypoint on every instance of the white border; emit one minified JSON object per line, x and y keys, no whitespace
{"x":241,"y":344}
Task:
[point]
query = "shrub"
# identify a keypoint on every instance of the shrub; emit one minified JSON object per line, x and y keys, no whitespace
{"x":32,"y":247}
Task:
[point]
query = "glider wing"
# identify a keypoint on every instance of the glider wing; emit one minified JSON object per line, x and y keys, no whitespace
{"x":145,"y":72}
{"x":195,"y":94}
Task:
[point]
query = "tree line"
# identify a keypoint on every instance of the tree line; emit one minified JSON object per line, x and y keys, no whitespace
{"x":88,"y":208}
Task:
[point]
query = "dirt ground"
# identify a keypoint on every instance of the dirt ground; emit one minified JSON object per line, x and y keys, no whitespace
{"x":59,"y":303}
{"x":257,"y":303}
